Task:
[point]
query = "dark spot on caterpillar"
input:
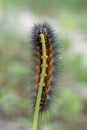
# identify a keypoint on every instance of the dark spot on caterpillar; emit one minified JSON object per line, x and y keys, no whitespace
{"x":51,"y":58}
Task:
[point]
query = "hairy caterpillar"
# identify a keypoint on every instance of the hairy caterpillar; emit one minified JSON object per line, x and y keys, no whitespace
{"x":52,"y":56}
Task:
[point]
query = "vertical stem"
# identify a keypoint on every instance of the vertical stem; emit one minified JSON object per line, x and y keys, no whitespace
{"x":36,"y":114}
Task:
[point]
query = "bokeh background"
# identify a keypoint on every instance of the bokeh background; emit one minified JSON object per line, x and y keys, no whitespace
{"x":69,"y":18}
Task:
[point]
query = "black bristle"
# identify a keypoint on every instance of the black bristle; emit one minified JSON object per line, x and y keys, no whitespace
{"x":50,"y":43}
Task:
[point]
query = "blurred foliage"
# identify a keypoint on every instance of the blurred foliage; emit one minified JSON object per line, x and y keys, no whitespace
{"x":45,"y":5}
{"x":15,"y":63}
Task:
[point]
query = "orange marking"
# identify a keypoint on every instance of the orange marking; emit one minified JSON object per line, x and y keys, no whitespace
{"x":50,"y":49}
{"x":48,"y":83}
{"x":37,"y":81}
{"x":50,"y":63}
{"x":38,"y":73}
{"x":49,"y":74}
{"x":44,"y":84}
{"x":38,"y":64}
{"x":46,"y":57}
{"x":39,"y":57}
{"x":50,"y":66}
{"x":46,"y":65}
{"x":45,"y":75}
{"x":50,"y":55}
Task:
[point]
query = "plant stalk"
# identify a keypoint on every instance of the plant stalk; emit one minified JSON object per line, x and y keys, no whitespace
{"x":36,"y":113}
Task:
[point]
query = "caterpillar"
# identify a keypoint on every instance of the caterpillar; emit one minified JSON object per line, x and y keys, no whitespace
{"x":52,"y":60}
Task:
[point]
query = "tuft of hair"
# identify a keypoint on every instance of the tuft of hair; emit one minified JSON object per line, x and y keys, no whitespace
{"x":52,"y":63}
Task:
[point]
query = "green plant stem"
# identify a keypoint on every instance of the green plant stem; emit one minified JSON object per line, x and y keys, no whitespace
{"x":36,"y":114}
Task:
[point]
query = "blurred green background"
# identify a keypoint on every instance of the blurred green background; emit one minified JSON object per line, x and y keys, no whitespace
{"x":69,"y":18}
